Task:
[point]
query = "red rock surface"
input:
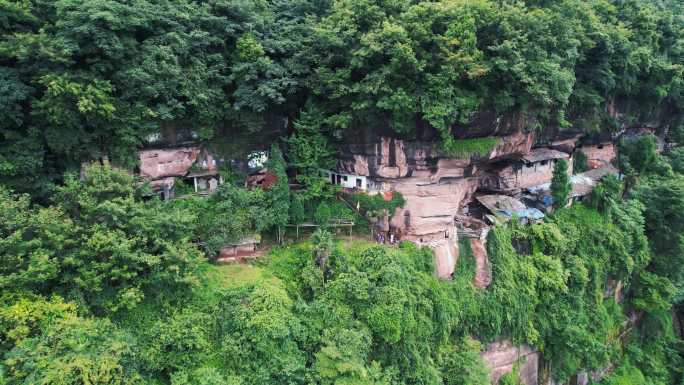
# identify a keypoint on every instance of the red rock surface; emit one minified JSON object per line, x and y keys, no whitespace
{"x":156,"y":164}
{"x":446,"y":256}
{"x":483,"y":271}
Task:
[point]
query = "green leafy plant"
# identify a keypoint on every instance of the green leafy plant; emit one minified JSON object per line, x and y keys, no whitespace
{"x":560,"y":184}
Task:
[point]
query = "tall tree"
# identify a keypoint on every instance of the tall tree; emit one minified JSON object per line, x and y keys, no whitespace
{"x":100,"y":244}
{"x":279,"y":194}
{"x":560,"y":184}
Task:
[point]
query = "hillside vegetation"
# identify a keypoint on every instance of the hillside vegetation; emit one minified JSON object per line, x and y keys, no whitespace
{"x":101,"y":282}
{"x":84,"y":79}
{"x":105,"y":286}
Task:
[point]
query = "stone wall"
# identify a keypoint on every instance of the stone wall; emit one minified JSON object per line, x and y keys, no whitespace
{"x":395,"y":158}
{"x":599,"y":155}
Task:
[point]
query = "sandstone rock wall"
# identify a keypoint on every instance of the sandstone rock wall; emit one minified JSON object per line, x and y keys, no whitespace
{"x":174,"y":162}
{"x":394,"y":158}
{"x":483,"y":271}
{"x":430,"y":206}
{"x":446,"y":257}
{"x":156,"y":164}
{"x":435,"y":186}
{"x":500,"y":357}
{"x":517,"y":143}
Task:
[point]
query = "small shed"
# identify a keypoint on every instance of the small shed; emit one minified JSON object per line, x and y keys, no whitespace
{"x":205,"y":180}
{"x":349,"y":181}
{"x":541,"y":155}
{"x":243,"y":248}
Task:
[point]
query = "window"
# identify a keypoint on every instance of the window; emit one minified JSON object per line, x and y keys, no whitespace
{"x":344,"y":178}
{"x":544,"y":162}
{"x":339,"y":179}
{"x":359,"y":182}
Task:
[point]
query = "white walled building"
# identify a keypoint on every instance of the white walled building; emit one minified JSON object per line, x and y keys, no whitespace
{"x":349,"y":181}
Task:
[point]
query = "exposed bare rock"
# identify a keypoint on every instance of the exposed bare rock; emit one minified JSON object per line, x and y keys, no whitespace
{"x":515,"y":144}
{"x":430,"y":206}
{"x":450,"y":168}
{"x":156,"y":164}
{"x":501,"y":356}
{"x":489,"y":122}
{"x":391,"y":158}
{"x":483,"y":271}
{"x":386,"y":159}
{"x":435,"y":186}
{"x":394,"y":158}
{"x":446,"y":256}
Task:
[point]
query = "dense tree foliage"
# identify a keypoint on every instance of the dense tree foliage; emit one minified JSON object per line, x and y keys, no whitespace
{"x":106,"y":287}
{"x":102,"y":283}
{"x":81,"y":80}
{"x":560,"y":184}
{"x":100,"y":245}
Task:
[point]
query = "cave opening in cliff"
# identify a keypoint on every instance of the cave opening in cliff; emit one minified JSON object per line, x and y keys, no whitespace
{"x":476,"y":210}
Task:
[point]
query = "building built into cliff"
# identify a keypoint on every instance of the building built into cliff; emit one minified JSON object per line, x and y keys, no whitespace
{"x":163,"y":167}
{"x":444,"y":195}
{"x":528,"y":170}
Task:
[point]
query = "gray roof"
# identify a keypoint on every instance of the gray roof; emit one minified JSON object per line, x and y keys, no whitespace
{"x":540,"y":154}
{"x":584,"y":183}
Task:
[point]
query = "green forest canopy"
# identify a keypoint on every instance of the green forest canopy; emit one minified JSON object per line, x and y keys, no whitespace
{"x":81,"y":79}
{"x":105,"y":286}
{"x":102,"y":285}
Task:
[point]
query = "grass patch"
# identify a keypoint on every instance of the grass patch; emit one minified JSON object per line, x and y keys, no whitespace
{"x":465,"y":148}
{"x":236,"y":275}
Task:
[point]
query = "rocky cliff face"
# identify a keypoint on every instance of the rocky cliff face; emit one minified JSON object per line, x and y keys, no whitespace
{"x":435,"y":186}
{"x":500,"y":357}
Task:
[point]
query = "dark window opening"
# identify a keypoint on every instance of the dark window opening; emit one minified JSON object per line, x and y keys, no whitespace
{"x":392,"y":154}
{"x":544,"y":162}
{"x":332,"y":178}
{"x":431,"y":161}
{"x":344,"y":178}
{"x":379,"y":154}
{"x":358,"y":182}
